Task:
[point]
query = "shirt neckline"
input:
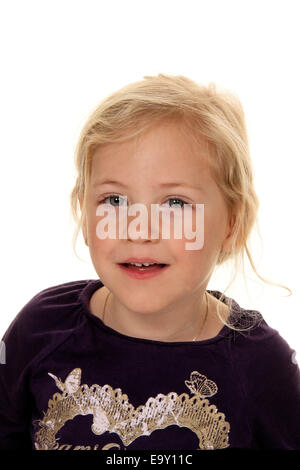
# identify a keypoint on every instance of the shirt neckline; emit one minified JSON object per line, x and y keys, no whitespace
{"x":94,"y":284}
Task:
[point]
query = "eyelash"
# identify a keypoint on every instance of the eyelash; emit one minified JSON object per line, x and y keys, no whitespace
{"x":116,"y":195}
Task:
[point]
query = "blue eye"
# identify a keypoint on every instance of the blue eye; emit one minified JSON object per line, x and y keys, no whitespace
{"x":114,"y":197}
{"x":177,"y":199}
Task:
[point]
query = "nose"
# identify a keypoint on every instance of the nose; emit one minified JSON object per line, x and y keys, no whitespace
{"x":140,"y":227}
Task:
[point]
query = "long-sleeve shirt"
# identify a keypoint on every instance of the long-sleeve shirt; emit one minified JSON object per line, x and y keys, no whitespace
{"x":71,"y":382}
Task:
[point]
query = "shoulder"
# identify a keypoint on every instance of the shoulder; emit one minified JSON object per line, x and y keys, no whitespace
{"x":49,"y":304}
{"x":46,"y":319}
{"x":271,"y":382}
{"x":252,"y":333}
{"x":265,"y":359}
{"x":265,"y":342}
{"x":258,"y":350}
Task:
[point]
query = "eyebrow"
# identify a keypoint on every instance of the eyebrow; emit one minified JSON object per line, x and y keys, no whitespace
{"x":162,"y":185}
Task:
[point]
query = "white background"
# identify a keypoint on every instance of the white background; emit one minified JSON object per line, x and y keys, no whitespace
{"x":59,"y":58}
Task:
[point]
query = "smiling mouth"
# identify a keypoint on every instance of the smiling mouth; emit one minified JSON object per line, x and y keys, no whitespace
{"x":143,"y":268}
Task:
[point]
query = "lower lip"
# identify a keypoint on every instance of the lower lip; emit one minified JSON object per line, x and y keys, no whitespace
{"x":143,"y":274}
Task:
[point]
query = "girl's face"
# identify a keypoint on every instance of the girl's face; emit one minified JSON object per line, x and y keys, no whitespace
{"x":163,"y":154}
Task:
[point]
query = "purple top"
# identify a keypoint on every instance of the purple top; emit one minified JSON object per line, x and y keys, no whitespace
{"x":71,"y":382}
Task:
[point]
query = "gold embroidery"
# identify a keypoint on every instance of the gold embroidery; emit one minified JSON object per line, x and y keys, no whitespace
{"x":72,"y":382}
{"x":111,"y":445}
{"x":112,"y":412}
{"x":201,"y":386}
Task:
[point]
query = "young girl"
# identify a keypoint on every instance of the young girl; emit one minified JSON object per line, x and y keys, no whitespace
{"x":144,"y":356}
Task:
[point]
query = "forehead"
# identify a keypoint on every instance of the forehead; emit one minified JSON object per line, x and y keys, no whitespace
{"x":166,"y":147}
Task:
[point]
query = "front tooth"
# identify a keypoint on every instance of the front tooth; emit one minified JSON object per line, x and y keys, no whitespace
{"x":142,"y":264}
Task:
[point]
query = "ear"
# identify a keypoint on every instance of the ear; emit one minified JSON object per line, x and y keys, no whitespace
{"x":227,"y":243}
{"x":84,"y":231}
{"x":84,"y":226}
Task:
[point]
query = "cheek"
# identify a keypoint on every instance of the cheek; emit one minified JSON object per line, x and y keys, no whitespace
{"x":99,"y":245}
{"x":193,"y":241}
{"x":214,"y":228}
{"x":188,"y":225}
{"x":102,"y":247}
{"x":200,"y":259}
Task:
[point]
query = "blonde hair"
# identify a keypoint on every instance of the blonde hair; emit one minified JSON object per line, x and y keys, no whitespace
{"x":207,"y":113}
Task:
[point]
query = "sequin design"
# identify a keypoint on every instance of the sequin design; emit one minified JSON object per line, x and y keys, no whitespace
{"x":113,"y":412}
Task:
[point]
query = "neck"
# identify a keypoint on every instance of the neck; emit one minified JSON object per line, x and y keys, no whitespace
{"x":164,"y":325}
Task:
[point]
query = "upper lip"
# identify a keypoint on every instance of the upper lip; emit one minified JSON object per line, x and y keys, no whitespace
{"x":141,"y":260}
